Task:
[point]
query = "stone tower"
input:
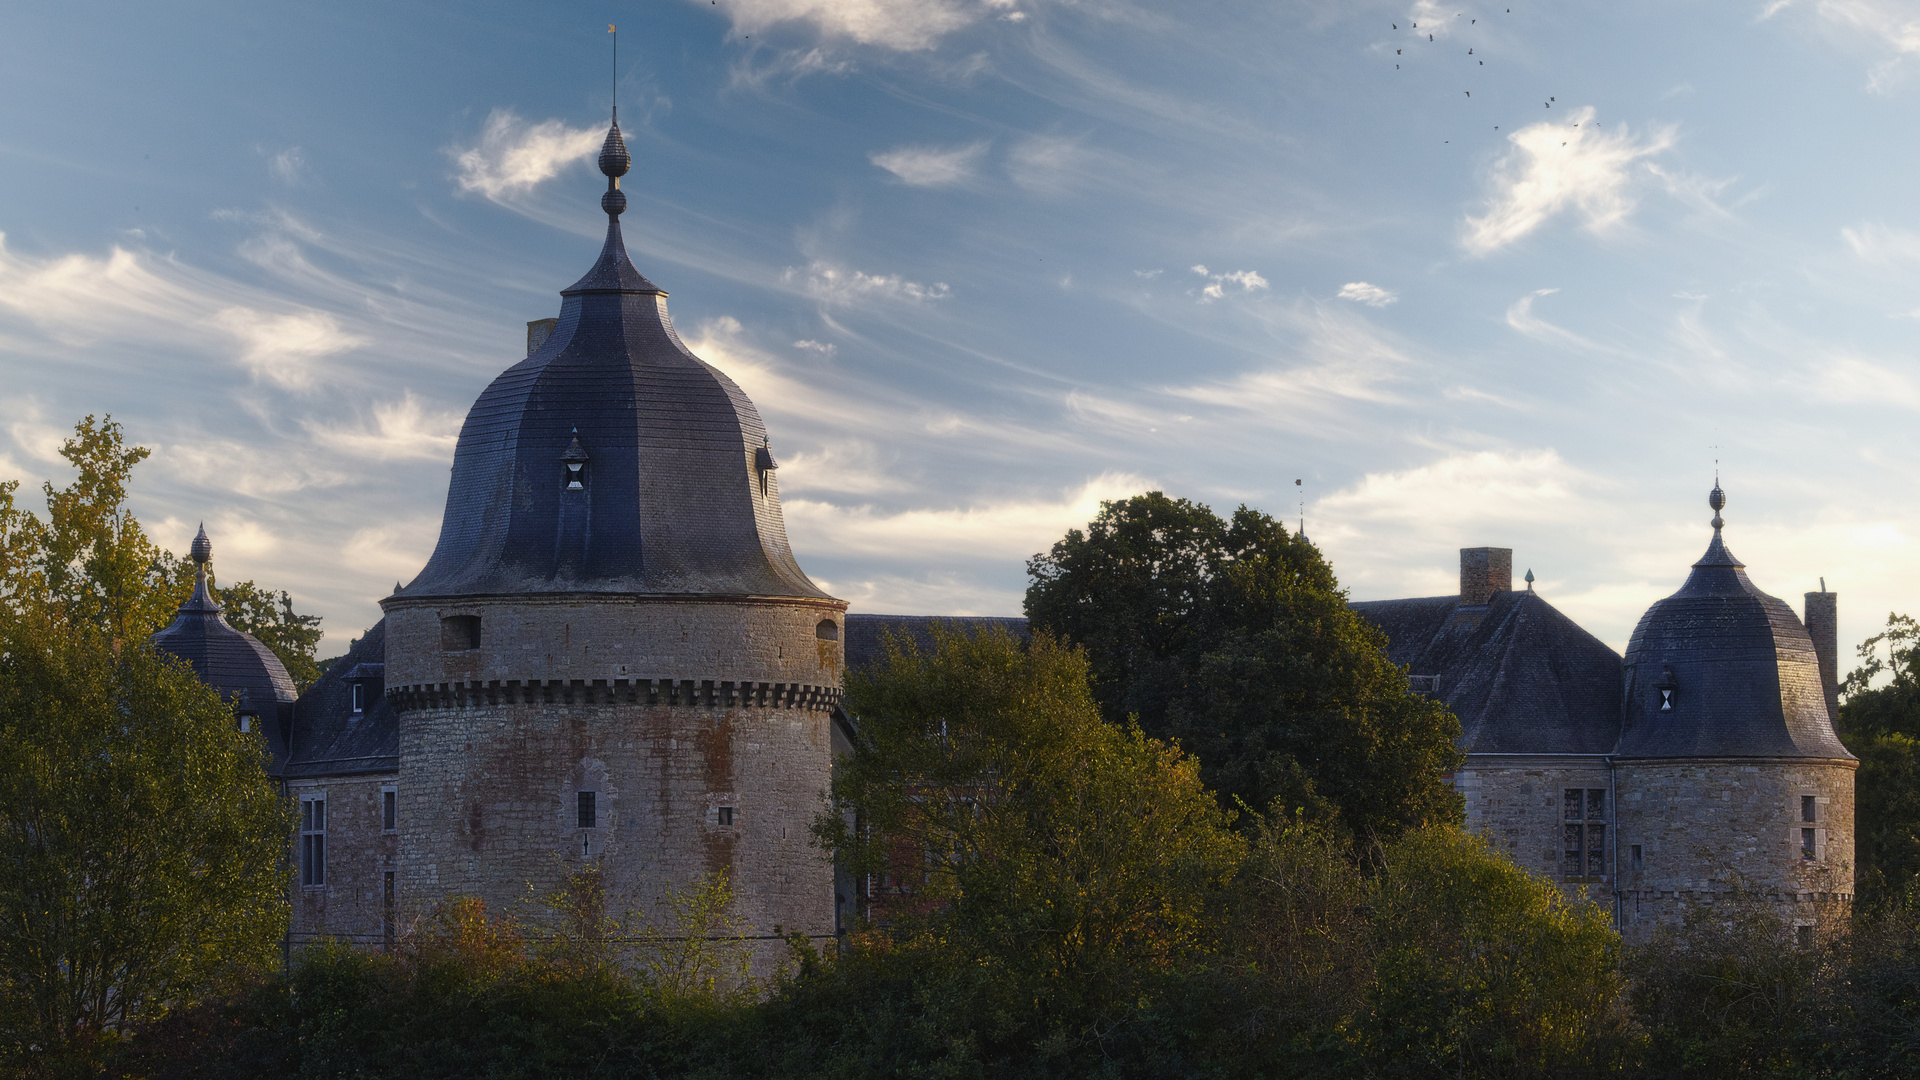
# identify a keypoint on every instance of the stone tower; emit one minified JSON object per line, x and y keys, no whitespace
{"x":1727,"y":759}
{"x":612,"y":654}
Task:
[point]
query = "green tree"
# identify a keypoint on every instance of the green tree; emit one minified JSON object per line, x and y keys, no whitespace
{"x":1050,"y":866}
{"x":142,"y":846}
{"x":1483,"y":969}
{"x":90,"y":565}
{"x":1235,"y":638}
{"x":1881,"y":725}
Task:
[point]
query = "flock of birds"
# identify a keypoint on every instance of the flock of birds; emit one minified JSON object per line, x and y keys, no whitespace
{"x":1479,"y":62}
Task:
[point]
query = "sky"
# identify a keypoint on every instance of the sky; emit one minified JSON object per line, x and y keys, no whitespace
{"x":1518,"y":276}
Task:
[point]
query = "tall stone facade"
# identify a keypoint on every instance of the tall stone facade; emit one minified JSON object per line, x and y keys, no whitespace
{"x":1700,"y":767}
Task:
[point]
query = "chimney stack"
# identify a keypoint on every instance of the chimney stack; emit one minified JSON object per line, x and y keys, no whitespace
{"x":538,"y":331}
{"x":1823,"y":618}
{"x":1483,"y":572}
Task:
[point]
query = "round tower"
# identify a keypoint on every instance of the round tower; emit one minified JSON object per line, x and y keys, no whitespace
{"x":611,"y":654}
{"x":246,"y":673}
{"x":1730,"y":780}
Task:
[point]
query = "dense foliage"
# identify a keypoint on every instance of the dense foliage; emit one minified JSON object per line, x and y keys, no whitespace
{"x":1881,"y":725}
{"x":1234,"y":638}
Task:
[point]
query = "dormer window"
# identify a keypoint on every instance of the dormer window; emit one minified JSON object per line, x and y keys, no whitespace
{"x":1667,"y":689}
{"x":246,"y":723}
{"x":359,"y":698}
{"x":575,"y":461}
{"x":763,"y":464}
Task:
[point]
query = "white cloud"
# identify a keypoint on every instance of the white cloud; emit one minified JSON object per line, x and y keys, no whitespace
{"x":824,"y":348}
{"x":904,"y":25}
{"x":514,"y":156}
{"x":1520,"y":317}
{"x":1561,"y":166}
{"x":396,"y":549}
{"x":1854,"y":381}
{"x":1346,"y":363}
{"x":1361,"y":292}
{"x":1876,"y":243}
{"x":1216,"y":287}
{"x":400,"y":430}
{"x":928,"y":166}
{"x":1011,"y":529}
{"x":929,"y":594}
{"x":826,"y":282}
{"x":847,"y":466}
{"x":1051,"y":164}
{"x":289,"y":166}
{"x":1429,"y":17}
{"x":283,"y":348}
{"x":1881,"y":27}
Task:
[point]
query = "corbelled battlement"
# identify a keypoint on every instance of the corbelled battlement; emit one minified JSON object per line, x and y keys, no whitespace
{"x":674,"y":693}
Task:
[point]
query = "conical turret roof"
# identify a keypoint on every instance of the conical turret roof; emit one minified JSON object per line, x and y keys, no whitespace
{"x":612,"y":459}
{"x":1721,"y":669}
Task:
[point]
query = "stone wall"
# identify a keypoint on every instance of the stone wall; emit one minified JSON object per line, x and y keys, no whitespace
{"x":701,"y":726}
{"x":351,"y":906}
{"x":492,"y":805}
{"x":1519,"y":804}
{"x":1706,"y":829}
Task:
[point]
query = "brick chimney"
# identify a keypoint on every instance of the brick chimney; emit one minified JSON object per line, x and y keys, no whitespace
{"x":1483,"y":572}
{"x":1823,"y":617}
{"x":538,"y":331}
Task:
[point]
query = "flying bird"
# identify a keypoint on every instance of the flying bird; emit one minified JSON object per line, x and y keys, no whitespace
{"x":1469,"y":93}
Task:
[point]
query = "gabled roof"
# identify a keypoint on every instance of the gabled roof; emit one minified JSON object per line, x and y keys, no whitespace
{"x":329,"y":739}
{"x":1522,"y":677}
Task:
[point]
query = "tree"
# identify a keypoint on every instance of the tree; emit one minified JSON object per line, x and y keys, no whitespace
{"x":89,"y":564}
{"x":1235,"y":638}
{"x":1483,"y":969}
{"x":1881,"y":725}
{"x":1049,"y":866}
{"x":142,"y":846}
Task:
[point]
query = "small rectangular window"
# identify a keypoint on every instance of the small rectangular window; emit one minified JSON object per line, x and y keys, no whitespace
{"x":313,"y":841}
{"x":1639,"y":863}
{"x":724,"y":815}
{"x":1806,"y":844}
{"x":1574,"y":798}
{"x":1596,"y":850}
{"x":588,"y":815}
{"x":389,"y":810}
{"x":1803,"y":936}
{"x":1596,"y":804}
{"x":388,"y":898}
{"x":1573,"y":851}
{"x":359,"y":697}
{"x":246,"y":723}
{"x":1808,"y":810}
{"x":460,"y":633}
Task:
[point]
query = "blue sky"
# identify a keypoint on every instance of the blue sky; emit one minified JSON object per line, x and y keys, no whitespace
{"x":1517,"y":277}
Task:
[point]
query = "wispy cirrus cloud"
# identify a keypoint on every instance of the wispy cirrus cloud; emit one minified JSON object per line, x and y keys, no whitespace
{"x":1010,"y":528}
{"x":901,"y":25}
{"x":514,"y":156}
{"x":1361,"y":292}
{"x":1873,"y":242}
{"x":931,"y":166}
{"x":1889,"y":29}
{"x":396,"y":431}
{"x":834,"y":284}
{"x":1217,"y":284}
{"x":1555,"y":168}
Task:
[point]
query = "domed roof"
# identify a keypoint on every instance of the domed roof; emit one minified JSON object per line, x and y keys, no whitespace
{"x":1721,"y":669}
{"x":612,"y":459}
{"x":231,"y":661}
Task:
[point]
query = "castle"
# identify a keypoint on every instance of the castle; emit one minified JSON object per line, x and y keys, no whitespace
{"x":612,"y":656}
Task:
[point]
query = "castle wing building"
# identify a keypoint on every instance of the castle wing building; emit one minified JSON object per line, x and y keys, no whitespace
{"x":1702,"y":765}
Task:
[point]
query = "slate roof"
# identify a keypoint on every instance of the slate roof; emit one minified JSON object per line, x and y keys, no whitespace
{"x":328,"y":739}
{"x":232,"y":661}
{"x":864,"y":632}
{"x":673,"y":500}
{"x":1522,"y":677}
{"x":1745,"y":677}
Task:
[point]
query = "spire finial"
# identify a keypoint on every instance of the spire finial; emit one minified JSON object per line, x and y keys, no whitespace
{"x":202,"y":550}
{"x":1529,"y":579}
{"x":614,"y":159}
{"x":1718,"y":500}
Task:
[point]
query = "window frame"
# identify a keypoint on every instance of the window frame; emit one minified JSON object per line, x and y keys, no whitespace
{"x":389,"y":809}
{"x":1586,"y":817}
{"x":313,"y":840}
{"x":586,"y":809}
{"x":357,"y":697}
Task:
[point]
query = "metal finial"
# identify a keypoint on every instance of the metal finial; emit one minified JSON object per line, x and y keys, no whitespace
{"x":202,"y":549}
{"x":1529,"y":579}
{"x":1718,"y":500}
